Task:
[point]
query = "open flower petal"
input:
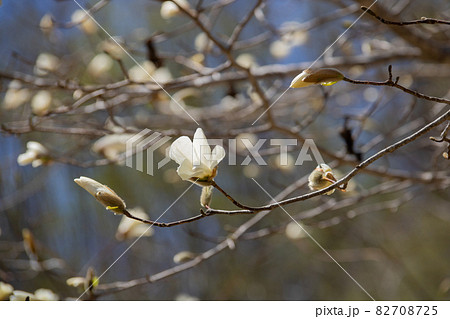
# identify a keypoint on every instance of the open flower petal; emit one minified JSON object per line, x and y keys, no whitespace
{"x":196,"y":161}
{"x":217,"y":155}
{"x":202,"y":151}
{"x":181,"y":150}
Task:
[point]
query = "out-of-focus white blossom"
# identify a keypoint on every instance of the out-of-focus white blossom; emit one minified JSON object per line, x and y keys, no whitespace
{"x":103,"y":194}
{"x":183,"y":256}
{"x":130,"y":228}
{"x":197,"y":163}
{"x":169,"y":9}
{"x":100,"y":65}
{"x":76,"y":281}
{"x":45,"y":63}
{"x":246,"y":60}
{"x":20,"y":295}
{"x":185,"y":297}
{"x":142,"y":73}
{"x":202,"y":43}
{"x":43,"y":294}
{"x":41,"y":102}
{"x":295,"y":37}
{"x":5,"y":290}
{"x":36,"y":155}
{"x":162,"y":75}
{"x":280,"y":49}
{"x":84,"y":22}
{"x":111,"y":146}
{"x":112,"y":48}
{"x":15,"y":96}
{"x":294,"y":231}
{"x":46,"y":24}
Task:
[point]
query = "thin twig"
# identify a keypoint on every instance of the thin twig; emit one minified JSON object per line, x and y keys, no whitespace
{"x":390,"y":82}
{"x":422,"y":20}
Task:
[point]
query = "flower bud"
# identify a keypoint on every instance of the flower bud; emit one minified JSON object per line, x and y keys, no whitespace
{"x":41,"y":102}
{"x":46,"y":24}
{"x":85,"y":23}
{"x":321,"y":177}
{"x":183,"y":256}
{"x":103,"y":194}
{"x":46,"y":63}
{"x":100,"y":65}
{"x":169,"y":9}
{"x":321,"y":76}
{"x":206,"y":196}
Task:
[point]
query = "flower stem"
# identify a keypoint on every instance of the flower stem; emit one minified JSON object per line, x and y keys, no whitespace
{"x":235,"y":202}
{"x":158,"y":224}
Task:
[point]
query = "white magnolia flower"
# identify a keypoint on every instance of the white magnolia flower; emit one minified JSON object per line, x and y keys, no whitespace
{"x":197,"y":163}
{"x":131,"y":228}
{"x":321,"y":177}
{"x":103,"y":194}
{"x":321,"y":76}
{"x":35,"y":155}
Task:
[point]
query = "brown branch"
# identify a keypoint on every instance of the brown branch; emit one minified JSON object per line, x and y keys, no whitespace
{"x":160,"y":224}
{"x":241,"y":25}
{"x":422,"y":20}
{"x":390,"y":82}
{"x":343,"y":181}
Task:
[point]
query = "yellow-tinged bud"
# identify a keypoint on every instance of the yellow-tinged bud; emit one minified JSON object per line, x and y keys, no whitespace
{"x":321,"y":177}
{"x":309,"y":77}
{"x":103,"y":194}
